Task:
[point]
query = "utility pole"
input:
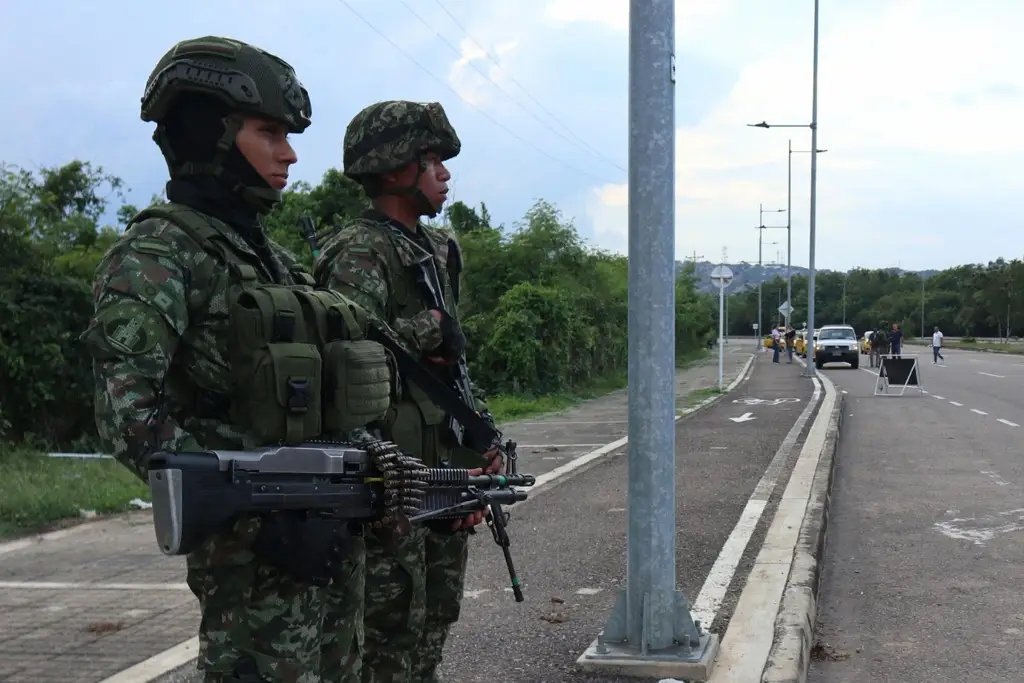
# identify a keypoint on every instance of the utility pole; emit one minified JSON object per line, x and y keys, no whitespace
{"x":922,"y":307}
{"x":814,"y":151}
{"x":761,"y":227}
{"x":725,"y":260}
{"x":814,"y":200}
{"x":651,"y":623}
{"x":693,"y":258}
{"x":846,"y":276}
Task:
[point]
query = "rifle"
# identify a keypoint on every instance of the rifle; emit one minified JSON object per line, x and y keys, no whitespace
{"x":456,"y":399}
{"x":198,"y":494}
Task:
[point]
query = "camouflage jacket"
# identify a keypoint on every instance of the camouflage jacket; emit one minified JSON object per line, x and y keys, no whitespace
{"x":158,"y":340}
{"x":370,"y":262}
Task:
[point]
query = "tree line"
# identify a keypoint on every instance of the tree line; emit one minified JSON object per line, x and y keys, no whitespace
{"x":973,"y":300}
{"x":544,"y":312}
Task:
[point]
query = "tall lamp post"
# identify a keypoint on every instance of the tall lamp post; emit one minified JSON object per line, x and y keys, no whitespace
{"x":761,"y":227}
{"x":813,"y":125}
{"x":789,"y":217}
{"x":760,"y":242}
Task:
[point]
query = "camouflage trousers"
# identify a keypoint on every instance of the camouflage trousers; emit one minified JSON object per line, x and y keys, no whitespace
{"x":260,"y":626}
{"x":413,"y":596}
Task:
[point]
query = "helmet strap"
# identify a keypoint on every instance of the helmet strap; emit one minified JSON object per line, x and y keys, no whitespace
{"x":262,"y":199}
{"x":424,"y":206}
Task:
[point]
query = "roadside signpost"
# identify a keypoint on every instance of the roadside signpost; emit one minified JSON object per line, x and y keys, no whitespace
{"x":722,"y":277}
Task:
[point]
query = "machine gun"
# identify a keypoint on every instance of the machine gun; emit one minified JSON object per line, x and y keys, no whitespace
{"x":198,"y":494}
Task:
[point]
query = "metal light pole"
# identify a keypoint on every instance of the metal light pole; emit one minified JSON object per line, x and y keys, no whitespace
{"x":761,"y":227}
{"x":651,"y":622}
{"x":789,"y":216}
{"x":845,"y":278}
{"x":922,"y":307}
{"x":813,"y":125}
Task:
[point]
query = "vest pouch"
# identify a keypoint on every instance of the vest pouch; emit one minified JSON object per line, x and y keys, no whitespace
{"x":357,"y":384}
{"x":283,"y":402}
{"x":432,"y":414}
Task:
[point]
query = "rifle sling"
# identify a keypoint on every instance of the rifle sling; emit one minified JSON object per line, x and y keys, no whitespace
{"x":483,"y":434}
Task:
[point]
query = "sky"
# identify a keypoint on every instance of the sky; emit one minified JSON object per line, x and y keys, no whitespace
{"x":919,"y":107}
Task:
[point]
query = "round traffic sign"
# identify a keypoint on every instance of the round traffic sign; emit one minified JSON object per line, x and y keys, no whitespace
{"x":721,"y":276}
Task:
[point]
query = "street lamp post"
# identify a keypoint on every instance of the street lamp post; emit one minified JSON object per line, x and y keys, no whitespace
{"x":761,"y":227}
{"x":813,"y":125}
{"x":789,"y":216}
{"x":845,"y":278}
{"x":760,"y":249}
{"x":922,"y":307}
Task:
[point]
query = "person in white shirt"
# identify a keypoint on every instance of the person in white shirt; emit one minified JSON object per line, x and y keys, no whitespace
{"x":776,"y":338}
{"x":937,"y":346}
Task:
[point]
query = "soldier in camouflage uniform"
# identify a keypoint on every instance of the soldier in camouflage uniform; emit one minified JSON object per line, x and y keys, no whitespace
{"x":396,"y":150}
{"x":180,"y":364}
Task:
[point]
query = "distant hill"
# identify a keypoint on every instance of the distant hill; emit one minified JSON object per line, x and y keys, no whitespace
{"x":750,"y":274}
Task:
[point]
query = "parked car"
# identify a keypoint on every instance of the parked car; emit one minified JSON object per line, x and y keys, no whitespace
{"x":865,"y":343}
{"x":836,"y":344}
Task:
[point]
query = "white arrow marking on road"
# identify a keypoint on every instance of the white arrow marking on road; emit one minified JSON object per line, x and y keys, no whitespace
{"x":745,"y":417}
{"x":991,"y":375}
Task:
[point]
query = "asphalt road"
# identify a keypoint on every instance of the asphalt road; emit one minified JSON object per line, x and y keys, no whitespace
{"x":925,"y":554}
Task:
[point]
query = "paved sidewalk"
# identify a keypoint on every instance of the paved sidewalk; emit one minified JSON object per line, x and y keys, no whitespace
{"x":102,"y":599}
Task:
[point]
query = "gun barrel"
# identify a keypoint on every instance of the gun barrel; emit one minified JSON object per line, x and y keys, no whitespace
{"x":462,"y":477}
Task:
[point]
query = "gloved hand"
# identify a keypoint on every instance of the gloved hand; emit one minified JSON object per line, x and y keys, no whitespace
{"x":453,"y":341}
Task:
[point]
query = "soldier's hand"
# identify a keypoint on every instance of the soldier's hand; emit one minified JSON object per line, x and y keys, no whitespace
{"x":495,"y":461}
{"x":473,"y":518}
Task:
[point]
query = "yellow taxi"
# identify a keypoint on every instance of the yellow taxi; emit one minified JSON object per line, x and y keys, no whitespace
{"x":800,"y":344}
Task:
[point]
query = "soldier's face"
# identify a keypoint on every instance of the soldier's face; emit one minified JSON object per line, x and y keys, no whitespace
{"x":264,"y":143}
{"x":433,"y":181}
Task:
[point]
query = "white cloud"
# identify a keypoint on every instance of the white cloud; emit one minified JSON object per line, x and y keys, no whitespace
{"x":915,"y":77}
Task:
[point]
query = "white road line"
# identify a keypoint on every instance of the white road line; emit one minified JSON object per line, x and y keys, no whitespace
{"x":958,"y":405}
{"x":991,"y":375}
{"x":1008,"y":423}
{"x":158,"y":664}
{"x":86,"y":585}
{"x":711,"y":595}
{"x":941,"y":398}
{"x":979,"y":412}
{"x":747,"y":642}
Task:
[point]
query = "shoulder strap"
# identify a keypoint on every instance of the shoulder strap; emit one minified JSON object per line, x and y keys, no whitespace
{"x":200,"y":230}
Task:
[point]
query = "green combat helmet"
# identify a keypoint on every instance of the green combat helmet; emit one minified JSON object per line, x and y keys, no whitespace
{"x":248,"y":79}
{"x":386,"y":136}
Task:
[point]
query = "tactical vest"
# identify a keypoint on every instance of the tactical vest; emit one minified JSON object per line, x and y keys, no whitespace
{"x":301,"y":367}
{"x":415,"y":423}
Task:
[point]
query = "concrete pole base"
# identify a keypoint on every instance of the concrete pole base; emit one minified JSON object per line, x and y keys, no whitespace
{"x":688,"y":664}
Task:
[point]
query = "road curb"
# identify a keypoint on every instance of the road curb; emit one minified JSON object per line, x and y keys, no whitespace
{"x":790,"y":654}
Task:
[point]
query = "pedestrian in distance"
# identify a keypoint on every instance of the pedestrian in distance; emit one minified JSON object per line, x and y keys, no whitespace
{"x":937,"y":346}
{"x":790,"y":342}
{"x":179,"y":365}
{"x":407,"y":273}
{"x":776,"y":341}
{"x":895,"y":340}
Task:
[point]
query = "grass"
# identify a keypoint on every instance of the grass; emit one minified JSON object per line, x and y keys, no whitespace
{"x":514,"y":407}
{"x":36,"y":491}
{"x":695,"y":396}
